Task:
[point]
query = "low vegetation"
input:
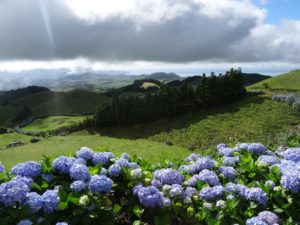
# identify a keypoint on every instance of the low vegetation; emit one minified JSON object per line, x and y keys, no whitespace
{"x":247,"y":184}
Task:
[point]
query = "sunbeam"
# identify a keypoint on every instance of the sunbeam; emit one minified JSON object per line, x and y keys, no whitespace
{"x":47,"y":23}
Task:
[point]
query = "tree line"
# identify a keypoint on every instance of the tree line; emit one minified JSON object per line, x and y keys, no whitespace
{"x":168,"y":101}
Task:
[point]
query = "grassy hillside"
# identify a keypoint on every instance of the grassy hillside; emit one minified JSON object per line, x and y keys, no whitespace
{"x":6,"y":139}
{"x":54,"y":146}
{"x":288,"y":81}
{"x":254,"y":119}
{"x":53,"y":122}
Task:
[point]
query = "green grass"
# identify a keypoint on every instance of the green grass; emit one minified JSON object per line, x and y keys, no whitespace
{"x":6,"y":139}
{"x":253,"y":119}
{"x":288,"y":81}
{"x":57,"y":145}
{"x":52,"y":123}
{"x":146,"y":85}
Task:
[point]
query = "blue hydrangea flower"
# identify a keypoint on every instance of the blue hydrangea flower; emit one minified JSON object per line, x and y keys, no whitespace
{"x":25,"y":222}
{"x":27,"y":180}
{"x":190,"y":191}
{"x":2,"y":168}
{"x":228,"y":172}
{"x":109,"y":155}
{"x":13,"y":192}
{"x":62,"y":164}
{"x":125,"y":156}
{"x":61,"y":223}
{"x":169,"y":176}
{"x":286,"y":166}
{"x":291,"y":181}
{"x":78,"y":186}
{"x":222,"y":145}
{"x":85,"y":153}
{"x":80,"y":172}
{"x":211,"y":193}
{"x":47,"y":177}
{"x":176,"y":191}
{"x":166,"y":202}
{"x":34,"y":201}
{"x":239,"y":189}
{"x":27,"y":169}
{"x":228,"y":152}
{"x":271,"y":160}
{"x":100,"y":184}
{"x":103,"y":171}
{"x":204,"y":163}
{"x":192,"y":182}
{"x":257,"y":148}
{"x":231,"y":161}
{"x":150,"y":197}
{"x":100,"y":157}
{"x":50,"y":200}
{"x":292,"y":154}
{"x":136,"y":189}
{"x":209,"y":177}
{"x":156,"y":183}
{"x":192,"y":157}
{"x":271,"y":153}
{"x":255,"y":221}
{"x":268,"y":217}
{"x":257,"y":195}
{"x":80,"y":161}
{"x":243,"y":146}
{"x":114,"y":170}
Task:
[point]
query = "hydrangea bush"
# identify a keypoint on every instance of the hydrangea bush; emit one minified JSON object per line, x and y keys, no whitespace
{"x":246,"y":184}
{"x":290,"y":99}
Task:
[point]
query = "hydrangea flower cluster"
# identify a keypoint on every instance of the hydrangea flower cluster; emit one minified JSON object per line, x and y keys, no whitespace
{"x":168,"y":176}
{"x":50,"y":200}
{"x":80,"y":172}
{"x":150,"y":197}
{"x":228,"y":172}
{"x":100,"y":184}
{"x":27,"y":169}
{"x":85,"y":153}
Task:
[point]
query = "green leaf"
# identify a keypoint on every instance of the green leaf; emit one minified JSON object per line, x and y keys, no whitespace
{"x":62,"y":206}
{"x":162,"y":220}
{"x":138,"y":211}
{"x":117,"y":208}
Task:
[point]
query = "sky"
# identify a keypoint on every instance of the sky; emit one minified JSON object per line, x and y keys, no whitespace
{"x":138,"y":36}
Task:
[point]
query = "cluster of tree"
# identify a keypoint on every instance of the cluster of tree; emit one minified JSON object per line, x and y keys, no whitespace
{"x":170,"y":101}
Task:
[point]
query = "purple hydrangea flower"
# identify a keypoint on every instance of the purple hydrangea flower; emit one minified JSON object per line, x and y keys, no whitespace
{"x":78,"y":186}
{"x":228,"y":172}
{"x":34,"y":201}
{"x":80,"y":172}
{"x":123,"y":162}
{"x":271,"y":160}
{"x":100,"y":184}
{"x":239,"y":189}
{"x":268,"y":217}
{"x":109,"y":155}
{"x":243,"y":146}
{"x":291,"y":181}
{"x":166,"y":202}
{"x":61,"y":223}
{"x":176,"y":191}
{"x":85,"y":153}
{"x":211,"y":193}
{"x":2,"y":168}
{"x":80,"y":161}
{"x":62,"y":164}
{"x":204,"y":163}
{"x":257,"y":148}
{"x":27,"y":169}
{"x":209,"y":177}
{"x":257,"y":195}
{"x":231,"y":161}
{"x":150,"y":197}
{"x":50,"y":200}
{"x":100,"y":157}
{"x":13,"y":192}
{"x":286,"y":166}
{"x":169,"y":176}
{"x":103,"y":171}
{"x":222,"y":145}
{"x":192,"y":157}
{"x":25,"y":222}
{"x":255,"y":221}
{"x":114,"y":170}
{"x":292,"y":154}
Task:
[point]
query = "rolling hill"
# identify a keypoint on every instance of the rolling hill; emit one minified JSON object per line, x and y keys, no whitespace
{"x":289,"y":81}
